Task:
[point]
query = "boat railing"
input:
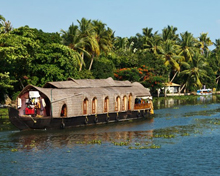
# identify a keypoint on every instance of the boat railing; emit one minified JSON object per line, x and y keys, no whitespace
{"x":142,"y":106}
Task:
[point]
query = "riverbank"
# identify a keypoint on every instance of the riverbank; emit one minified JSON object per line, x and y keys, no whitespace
{"x":4,"y":113}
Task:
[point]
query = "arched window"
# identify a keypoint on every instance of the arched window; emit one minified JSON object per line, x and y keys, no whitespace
{"x":63,"y":112}
{"x":106,"y":104}
{"x":124,"y":103}
{"x":94,"y":105}
{"x":117,"y":104}
{"x":85,"y":106}
{"x":129,"y":102}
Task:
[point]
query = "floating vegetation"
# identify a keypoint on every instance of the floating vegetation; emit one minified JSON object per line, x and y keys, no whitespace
{"x":215,"y":122}
{"x":200,"y":113}
{"x":154,"y":139}
{"x":6,"y":123}
{"x":153,"y":146}
{"x":167,"y":115}
{"x":121,"y":143}
{"x":80,"y":142}
{"x":137,"y":144}
{"x":175,"y":107}
{"x":95,"y":142}
{"x":164,"y":136}
{"x":14,"y":150}
{"x":90,"y":142}
{"x":185,"y":134}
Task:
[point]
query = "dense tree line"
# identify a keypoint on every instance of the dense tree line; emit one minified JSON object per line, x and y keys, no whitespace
{"x":90,"y":50}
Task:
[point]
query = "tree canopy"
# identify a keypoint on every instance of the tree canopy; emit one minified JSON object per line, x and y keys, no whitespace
{"x":89,"y":49}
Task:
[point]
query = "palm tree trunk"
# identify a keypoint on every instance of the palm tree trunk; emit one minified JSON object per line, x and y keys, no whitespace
{"x":81,"y":63}
{"x":182,"y":87}
{"x":174,"y":76}
{"x":21,"y":83}
{"x":217,"y":80}
{"x":90,"y":66}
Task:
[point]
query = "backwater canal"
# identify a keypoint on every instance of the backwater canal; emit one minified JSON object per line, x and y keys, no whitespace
{"x":183,"y":138}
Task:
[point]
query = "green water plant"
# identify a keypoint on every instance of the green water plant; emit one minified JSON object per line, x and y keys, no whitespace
{"x":95,"y":142}
{"x":14,"y":150}
{"x":164,"y":136}
{"x":185,"y":134}
{"x":121,"y":143}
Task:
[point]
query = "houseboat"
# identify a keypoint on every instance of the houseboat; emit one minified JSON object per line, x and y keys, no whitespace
{"x":80,"y":102}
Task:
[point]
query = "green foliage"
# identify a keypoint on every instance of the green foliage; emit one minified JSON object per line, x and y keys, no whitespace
{"x":5,"y":85}
{"x":54,"y":62}
{"x":32,"y":56}
{"x":125,"y":59}
{"x":150,"y":60}
{"x":144,"y":75}
{"x":103,"y":68}
{"x":131,"y":74}
{"x":84,"y":74}
{"x":35,"y":57}
{"x":16,"y":55}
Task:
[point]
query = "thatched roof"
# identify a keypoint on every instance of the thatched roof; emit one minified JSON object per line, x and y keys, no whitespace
{"x":81,"y":83}
{"x":94,"y":87}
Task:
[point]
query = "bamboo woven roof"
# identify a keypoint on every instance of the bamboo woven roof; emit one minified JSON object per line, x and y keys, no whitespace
{"x":80,"y":83}
{"x":57,"y":91}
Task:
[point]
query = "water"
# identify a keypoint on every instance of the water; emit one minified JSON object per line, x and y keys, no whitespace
{"x":183,"y":138}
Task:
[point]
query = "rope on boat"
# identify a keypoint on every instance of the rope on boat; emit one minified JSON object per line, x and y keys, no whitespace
{"x":33,"y":119}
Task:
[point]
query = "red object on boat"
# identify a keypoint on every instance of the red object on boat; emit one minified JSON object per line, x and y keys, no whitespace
{"x":29,"y":111}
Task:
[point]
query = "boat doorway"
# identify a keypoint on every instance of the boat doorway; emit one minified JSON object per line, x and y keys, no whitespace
{"x":63,"y":112}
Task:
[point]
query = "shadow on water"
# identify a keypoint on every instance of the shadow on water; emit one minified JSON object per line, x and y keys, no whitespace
{"x":120,"y":133}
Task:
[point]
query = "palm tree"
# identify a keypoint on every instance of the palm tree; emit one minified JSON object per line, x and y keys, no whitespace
{"x":204,"y":42}
{"x":104,"y":38}
{"x":147,"y":32}
{"x":5,"y":26}
{"x":72,"y":39}
{"x":153,"y":44}
{"x":170,"y":57}
{"x":195,"y":71}
{"x":87,"y":32}
{"x":188,"y":45}
{"x":217,"y":44}
{"x":169,"y":33}
{"x":121,"y":43}
{"x":216,"y":56}
{"x":2,"y":21}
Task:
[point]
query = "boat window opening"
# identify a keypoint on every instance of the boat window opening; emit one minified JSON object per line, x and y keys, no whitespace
{"x":63,"y":111}
{"x":142,"y":103}
{"x":124,"y":104}
{"x":106,"y":102}
{"x":94,"y":106}
{"x":129,"y":102}
{"x":137,"y":100}
{"x":85,"y":105}
{"x":117,"y":104}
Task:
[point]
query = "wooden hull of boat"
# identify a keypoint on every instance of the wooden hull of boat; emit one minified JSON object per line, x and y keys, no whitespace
{"x":29,"y":122}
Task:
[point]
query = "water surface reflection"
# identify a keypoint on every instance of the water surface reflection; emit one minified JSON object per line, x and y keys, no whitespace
{"x":182,"y":139}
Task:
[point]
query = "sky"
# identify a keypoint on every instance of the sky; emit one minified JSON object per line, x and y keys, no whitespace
{"x":125,"y":17}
